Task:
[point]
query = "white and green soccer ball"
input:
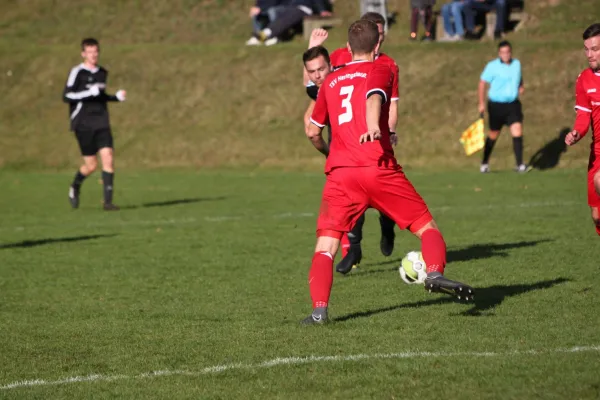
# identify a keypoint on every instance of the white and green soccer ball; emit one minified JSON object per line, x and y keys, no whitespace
{"x":413,"y":268}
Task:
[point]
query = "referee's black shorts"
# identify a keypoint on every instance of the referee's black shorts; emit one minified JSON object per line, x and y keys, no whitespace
{"x":501,"y":114}
{"x":92,"y":140}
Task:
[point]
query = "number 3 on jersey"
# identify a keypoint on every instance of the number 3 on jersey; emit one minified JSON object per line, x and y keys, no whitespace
{"x":347,"y":115}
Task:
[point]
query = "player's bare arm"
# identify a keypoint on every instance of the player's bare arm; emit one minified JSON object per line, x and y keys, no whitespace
{"x":481,"y":93}
{"x":373,"y":109}
{"x":307,"y":114}
{"x":393,"y":122}
{"x":314,"y":134}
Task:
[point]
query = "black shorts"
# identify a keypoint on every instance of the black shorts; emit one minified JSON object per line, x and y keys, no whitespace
{"x":501,"y":114}
{"x":92,"y":140}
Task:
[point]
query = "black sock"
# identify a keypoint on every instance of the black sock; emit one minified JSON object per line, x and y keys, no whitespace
{"x":355,"y":235}
{"x":518,"y":149}
{"x":386,"y":223}
{"x":487,"y":150}
{"x":78,"y":181}
{"x":107,"y":179}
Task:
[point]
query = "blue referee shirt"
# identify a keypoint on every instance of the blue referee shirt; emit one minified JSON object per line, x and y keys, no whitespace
{"x":504,"y":80}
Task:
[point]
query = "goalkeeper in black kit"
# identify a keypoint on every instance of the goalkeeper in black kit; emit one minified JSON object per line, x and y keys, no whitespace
{"x":85,"y":92}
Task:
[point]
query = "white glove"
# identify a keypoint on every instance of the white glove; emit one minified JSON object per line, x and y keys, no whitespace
{"x":94,"y":90}
{"x":120,"y":95}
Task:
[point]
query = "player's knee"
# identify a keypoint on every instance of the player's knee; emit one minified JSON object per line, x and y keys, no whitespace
{"x":494,"y":135}
{"x":91,"y":165}
{"x":327,"y":244}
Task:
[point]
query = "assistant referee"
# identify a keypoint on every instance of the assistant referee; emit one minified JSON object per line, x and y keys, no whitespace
{"x":503,"y":75}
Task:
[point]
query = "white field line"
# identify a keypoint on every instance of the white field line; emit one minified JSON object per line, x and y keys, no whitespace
{"x":289,"y":215}
{"x":291,"y":361}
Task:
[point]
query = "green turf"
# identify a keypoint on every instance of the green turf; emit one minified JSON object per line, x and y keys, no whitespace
{"x":204,"y":269}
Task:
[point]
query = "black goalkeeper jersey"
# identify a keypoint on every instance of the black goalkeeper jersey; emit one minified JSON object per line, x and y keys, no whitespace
{"x":85,"y":92}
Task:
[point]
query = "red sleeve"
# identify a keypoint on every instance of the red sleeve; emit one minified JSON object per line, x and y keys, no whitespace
{"x":395,"y":90}
{"x":379,"y":81}
{"x":583,"y":107}
{"x":320,"y":115}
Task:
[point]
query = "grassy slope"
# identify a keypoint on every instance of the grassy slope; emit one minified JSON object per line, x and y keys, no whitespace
{"x":198,"y":97}
{"x":170,"y":283}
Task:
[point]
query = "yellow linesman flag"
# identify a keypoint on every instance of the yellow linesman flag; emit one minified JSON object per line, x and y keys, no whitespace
{"x":473,"y":138}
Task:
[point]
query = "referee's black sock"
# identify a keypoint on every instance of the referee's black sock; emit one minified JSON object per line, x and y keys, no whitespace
{"x":487,"y":150}
{"x":107,"y":180}
{"x":78,"y":181}
{"x":518,"y":149}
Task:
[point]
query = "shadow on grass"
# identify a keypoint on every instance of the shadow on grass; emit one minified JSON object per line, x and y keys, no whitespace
{"x":473,"y":252}
{"x":485,"y":299}
{"x":42,"y":242}
{"x":548,"y":156}
{"x":174,"y":202}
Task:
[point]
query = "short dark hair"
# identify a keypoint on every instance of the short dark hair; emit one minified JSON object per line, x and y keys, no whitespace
{"x":315,"y":52}
{"x":363,"y":36}
{"x":374,"y":17}
{"x":88,"y":42}
{"x":591,"y":31}
{"x":504,"y":43}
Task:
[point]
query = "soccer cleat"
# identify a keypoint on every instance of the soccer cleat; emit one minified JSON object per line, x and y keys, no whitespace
{"x":522,"y":169}
{"x":351,"y":260}
{"x":386,"y":244}
{"x":484,"y":168}
{"x":437,"y":283}
{"x":318,"y":317}
{"x":111,"y":207}
{"x":74,"y":197}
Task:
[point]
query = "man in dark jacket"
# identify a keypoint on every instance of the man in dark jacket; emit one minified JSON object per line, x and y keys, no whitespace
{"x":291,"y":15}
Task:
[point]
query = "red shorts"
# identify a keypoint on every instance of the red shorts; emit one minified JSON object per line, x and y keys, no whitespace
{"x":349,"y":191}
{"x":593,"y":168}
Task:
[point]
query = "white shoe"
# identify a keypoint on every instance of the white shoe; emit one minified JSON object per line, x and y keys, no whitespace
{"x":271,"y":42}
{"x":523,"y":168}
{"x":253,"y":41}
{"x":484,"y":168}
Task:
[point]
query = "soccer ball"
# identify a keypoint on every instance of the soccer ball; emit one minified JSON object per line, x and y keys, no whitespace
{"x":413,"y":268}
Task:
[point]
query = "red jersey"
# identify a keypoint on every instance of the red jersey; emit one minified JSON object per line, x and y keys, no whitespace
{"x":342,"y":103}
{"x":587,"y":104}
{"x":342,"y":56}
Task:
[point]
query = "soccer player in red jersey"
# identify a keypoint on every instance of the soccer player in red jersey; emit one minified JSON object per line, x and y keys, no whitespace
{"x":339,"y":58}
{"x":362,"y":171}
{"x":587,"y":105}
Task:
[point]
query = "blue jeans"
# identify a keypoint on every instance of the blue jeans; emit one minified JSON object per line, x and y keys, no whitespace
{"x":472,"y":6}
{"x":263,"y":19}
{"x":452,"y":11}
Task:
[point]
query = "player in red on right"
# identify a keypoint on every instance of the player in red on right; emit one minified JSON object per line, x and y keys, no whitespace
{"x":587,"y":105}
{"x":361,"y":170}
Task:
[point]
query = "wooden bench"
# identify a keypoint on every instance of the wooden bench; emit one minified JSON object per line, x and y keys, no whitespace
{"x":315,"y":22}
{"x":517,"y":17}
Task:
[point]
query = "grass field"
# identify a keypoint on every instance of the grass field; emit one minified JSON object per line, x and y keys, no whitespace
{"x":195,"y":290}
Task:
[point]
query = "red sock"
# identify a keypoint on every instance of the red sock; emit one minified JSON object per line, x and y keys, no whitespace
{"x":345,"y":244}
{"x":598,"y":229}
{"x":433,"y":248}
{"x":320,"y":279}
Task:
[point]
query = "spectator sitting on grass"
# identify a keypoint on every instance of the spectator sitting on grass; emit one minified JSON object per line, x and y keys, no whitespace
{"x":290,"y":16}
{"x":453,"y":21}
{"x":262,"y":14}
{"x":472,"y":7}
